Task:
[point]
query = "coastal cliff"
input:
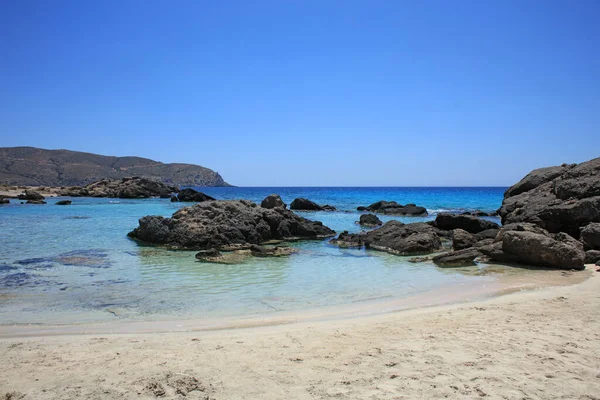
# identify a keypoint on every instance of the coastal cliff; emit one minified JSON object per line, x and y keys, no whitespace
{"x":31,"y":166}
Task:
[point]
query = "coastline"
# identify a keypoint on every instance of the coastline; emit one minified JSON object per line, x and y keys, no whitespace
{"x":531,"y":344}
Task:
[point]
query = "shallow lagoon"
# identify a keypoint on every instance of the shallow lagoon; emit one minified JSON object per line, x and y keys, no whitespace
{"x":64,"y":264}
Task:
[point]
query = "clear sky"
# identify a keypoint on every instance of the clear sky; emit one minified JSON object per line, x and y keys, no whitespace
{"x":322,"y":93}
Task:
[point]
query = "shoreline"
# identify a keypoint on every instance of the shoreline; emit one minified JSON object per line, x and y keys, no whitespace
{"x":533,"y":344}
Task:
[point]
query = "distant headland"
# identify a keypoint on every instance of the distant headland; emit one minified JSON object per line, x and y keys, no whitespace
{"x":31,"y":166}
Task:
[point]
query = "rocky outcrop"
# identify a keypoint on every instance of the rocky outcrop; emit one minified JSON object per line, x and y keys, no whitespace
{"x":469,"y":223}
{"x":592,"y":256}
{"x":192,"y":195}
{"x":4,"y":201}
{"x":226,"y":224}
{"x":462,"y":239}
{"x":590,"y":236}
{"x":459,"y":258}
{"x":126,"y":188}
{"x":272,"y":201}
{"x":393,"y":208}
{"x":31,"y":195}
{"x":369,"y":220}
{"x":558,"y":199}
{"x":394,"y":237}
{"x":63,"y":203}
{"x":531,"y":245}
{"x":308,"y":205}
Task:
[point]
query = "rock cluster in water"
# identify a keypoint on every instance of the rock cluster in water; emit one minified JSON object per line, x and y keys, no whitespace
{"x":126,"y":188}
{"x":303,"y":204}
{"x":393,"y":208}
{"x":191,"y":195}
{"x":227,"y":225}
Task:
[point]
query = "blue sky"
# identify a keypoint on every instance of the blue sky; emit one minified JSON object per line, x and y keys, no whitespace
{"x":396,"y":93}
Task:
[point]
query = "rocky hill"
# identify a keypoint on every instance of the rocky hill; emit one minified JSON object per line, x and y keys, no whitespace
{"x":32,"y":166}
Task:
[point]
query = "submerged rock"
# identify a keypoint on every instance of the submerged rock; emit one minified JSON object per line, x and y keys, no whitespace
{"x":63,"y":203}
{"x":459,"y":258}
{"x":394,"y":237}
{"x":276,"y":251}
{"x":31,"y":195}
{"x":558,"y":199}
{"x":272,"y":201}
{"x":393,"y":208}
{"x":190,"y":194}
{"x":369,"y":220}
{"x":35,"y":202}
{"x":469,"y":223}
{"x":227,"y":224}
{"x":308,"y":205}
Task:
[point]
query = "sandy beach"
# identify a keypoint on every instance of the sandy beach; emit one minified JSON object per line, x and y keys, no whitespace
{"x":540,"y":344}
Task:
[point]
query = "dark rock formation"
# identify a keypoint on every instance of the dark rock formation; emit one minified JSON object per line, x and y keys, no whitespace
{"x":369,"y":220}
{"x":63,"y":202}
{"x":590,"y":236}
{"x":276,"y":251}
{"x":558,"y":199}
{"x":35,"y":202}
{"x":592,"y":256}
{"x":31,"y":195}
{"x":174,"y":199}
{"x":462,"y":239}
{"x":4,"y":201}
{"x":272,"y":201}
{"x":393,"y":208}
{"x":447,"y":221}
{"x":126,"y":188}
{"x":226,"y":224}
{"x":29,"y":166}
{"x":479,"y":213}
{"x":308,"y":205}
{"x":459,"y":258}
{"x":190,"y":194}
{"x":394,"y":237}
{"x":536,"y":247}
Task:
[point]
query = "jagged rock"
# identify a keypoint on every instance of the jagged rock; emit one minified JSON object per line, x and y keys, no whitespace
{"x":487,"y":234}
{"x":590,"y":236}
{"x":393,"y":208}
{"x":272,"y":201}
{"x":537,"y":249}
{"x":394,"y":237}
{"x":126,"y":188}
{"x":520,"y":227}
{"x":447,"y":221}
{"x":31,"y":195}
{"x":35,"y":202}
{"x":63,"y":202}
{"x":308,"y":205}
{"x":459,"y":258}
{"x":558,"y":199}
{"x":190,"y":194}
{"x":276,"y":251}
{"x":226,"y":224}
{"x":462,"y":239}
{"x":592,"y":256}
{"x":369,"y":220}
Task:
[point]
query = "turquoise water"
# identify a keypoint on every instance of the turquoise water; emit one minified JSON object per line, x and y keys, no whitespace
{"x":62,"y":264}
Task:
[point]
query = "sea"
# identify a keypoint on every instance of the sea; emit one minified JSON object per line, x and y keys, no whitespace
{"x":75,"y":264}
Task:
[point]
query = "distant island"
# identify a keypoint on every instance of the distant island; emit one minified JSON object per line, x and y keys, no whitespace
{"x":31,"y":166}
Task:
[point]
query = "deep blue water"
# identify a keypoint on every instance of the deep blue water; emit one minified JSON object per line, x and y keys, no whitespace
{"x":75,"y":263}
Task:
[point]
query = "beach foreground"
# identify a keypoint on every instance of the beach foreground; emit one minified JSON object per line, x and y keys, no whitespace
{"x":541,"y":344}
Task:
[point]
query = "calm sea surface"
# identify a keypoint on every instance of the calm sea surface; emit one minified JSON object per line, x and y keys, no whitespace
{"x":62,"y":264}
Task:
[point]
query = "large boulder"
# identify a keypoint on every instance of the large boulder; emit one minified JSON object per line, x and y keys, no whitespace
{"x":308,"y":205}
{"x":126,"y":188}
{"x":459,"y":258}
{"x":462,"y":239}
{"x":190,"y":194}
{"x":369,"y":220}
{"x":225,"y":225}
{"x":469,"y":223}
{"x":590,"y":236}
{"x":536,"y":248}
{"x":592,"y":256}
{"x":31,"y":195}
{"x":393,"y":208}
{"x":394,"y":237}
{"x":558,"y":199}
{"x":272,"y":201}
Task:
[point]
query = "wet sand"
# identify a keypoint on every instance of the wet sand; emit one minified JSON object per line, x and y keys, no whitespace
{"x":538,"y":344}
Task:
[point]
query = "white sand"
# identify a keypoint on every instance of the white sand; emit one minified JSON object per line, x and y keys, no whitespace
{"x":543,"y":344}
